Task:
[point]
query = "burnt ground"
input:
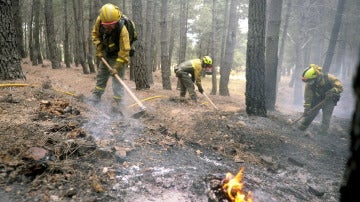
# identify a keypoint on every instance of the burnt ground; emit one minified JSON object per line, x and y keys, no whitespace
{"x":55,"y":146}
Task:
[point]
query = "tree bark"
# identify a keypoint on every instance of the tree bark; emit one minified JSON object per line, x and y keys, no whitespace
{"x":213,"y":36}
{"x":36,"y":33}
{"x":284,"y":70}
{"x":255,"y":59}
{"x":10,"y":68}
{"x":50,"y":35}
{"x":183,"y":30}
{"x":90,"y":52}
{"x":67,"y":55}
{"x":271,"y":60}
{"x":19,"y":29}
{"x":334,"y":35}
{"x":229,"y":50}
{"x":147,"y":36}
{"x":79,"y":35}
{"x":137,"y":61}
{"x":165,"y":63}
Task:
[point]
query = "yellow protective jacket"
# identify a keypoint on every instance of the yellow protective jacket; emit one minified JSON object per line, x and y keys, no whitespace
{"x":193,"y":67}
{"x":315,"y":93}
{"x":104,"y":45}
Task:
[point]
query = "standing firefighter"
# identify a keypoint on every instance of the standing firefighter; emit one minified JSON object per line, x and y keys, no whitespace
{"x":112,"y":42}
{"x":322,"y":91}
{"x":189,"y":72}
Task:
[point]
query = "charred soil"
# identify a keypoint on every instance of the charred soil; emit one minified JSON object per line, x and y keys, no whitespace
{"x":57,"y":146}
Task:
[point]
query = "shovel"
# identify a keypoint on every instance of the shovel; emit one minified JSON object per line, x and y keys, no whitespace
{"x":143,"y":108}
{"x":309,"y":112}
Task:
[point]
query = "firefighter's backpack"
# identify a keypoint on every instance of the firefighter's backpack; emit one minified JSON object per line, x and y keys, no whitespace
{"x":130,"y":26}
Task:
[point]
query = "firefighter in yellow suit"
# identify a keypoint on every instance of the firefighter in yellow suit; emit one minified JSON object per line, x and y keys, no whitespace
{"x":112,"y":42}
{"x":189,"y":72}
{"x":319,"y":87}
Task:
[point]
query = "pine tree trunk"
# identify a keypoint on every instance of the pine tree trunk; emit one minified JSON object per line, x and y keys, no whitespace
{"x":90,"y":52}
{"x":213,"y":36}
{"x":10,"y":68}
{"x":19,"y":29}
{"x":255,"y":56}
{"x":79,"y":35}
{"x":334,"y":35}
{"x":148,"y":45}
{"x":271,"y":61}
{"x":229,"y":50}
{"x":183,"y":30}
{"x":67,"y":55}
{"x":282,"y":69}
{"x":137,"y":61}
{"x":50,"y":35}
{"x":165,"y":64}
{"x":36,"y":33}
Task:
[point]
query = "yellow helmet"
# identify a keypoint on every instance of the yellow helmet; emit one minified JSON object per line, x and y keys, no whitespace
{"x":109,"y":14}
{"x":207,"y":60}
{"x":309,"y":73}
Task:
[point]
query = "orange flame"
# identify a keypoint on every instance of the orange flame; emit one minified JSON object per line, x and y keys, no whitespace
{"x":233,"y":187}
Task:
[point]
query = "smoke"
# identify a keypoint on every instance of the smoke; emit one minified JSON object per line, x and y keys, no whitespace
{"x":106,"y":124}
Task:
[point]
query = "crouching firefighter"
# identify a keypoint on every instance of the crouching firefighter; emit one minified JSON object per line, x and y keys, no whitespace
{"x":112,"y":43}
{"x":322,"y":91}
{"x":189,"y":72}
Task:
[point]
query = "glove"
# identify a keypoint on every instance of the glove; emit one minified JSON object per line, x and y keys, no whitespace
{"x":201,"y":90}
{"x":332,"y":95}
{"x":117,"y":66}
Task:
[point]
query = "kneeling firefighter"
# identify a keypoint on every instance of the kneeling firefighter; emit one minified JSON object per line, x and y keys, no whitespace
{"x":189,"y":72}
{"x":322,"y":90}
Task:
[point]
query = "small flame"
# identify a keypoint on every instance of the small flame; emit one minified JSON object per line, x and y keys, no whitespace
{"x":233,"y":186}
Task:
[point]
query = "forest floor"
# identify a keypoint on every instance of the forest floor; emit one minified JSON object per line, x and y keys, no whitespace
{"x":55,"y":146}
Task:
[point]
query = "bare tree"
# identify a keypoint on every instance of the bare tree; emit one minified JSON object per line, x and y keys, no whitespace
{"x":183,"y":29}
{"x":255,"y":56}
{"x":271,"y":57}
{"x":37,"y":59}
{"x":19,"y":30}
{"x":224,"y":31}
{"x":165,"y":63}
{"x":79,"y":35}
{"x":281,"y":69}
{"x":229,"y":51}
{"x":137,"y":61}
{"x":212,"y":49}
{"x":334,"y":35}
{"x":92,"y":17}
{"x":10,"y":68}
{"x":50,"y":35}
{"x":67,"y":55}
{"x":148,"y":30}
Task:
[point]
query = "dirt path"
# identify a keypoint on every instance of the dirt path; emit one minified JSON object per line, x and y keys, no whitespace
{"x":172,"y":153}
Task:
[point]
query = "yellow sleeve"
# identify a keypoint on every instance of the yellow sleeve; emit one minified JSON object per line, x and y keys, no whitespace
{"x":124,"y":41}
{"x":308,"y":96}
{"x":197,"y":71}
{"x":95,"y":36}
